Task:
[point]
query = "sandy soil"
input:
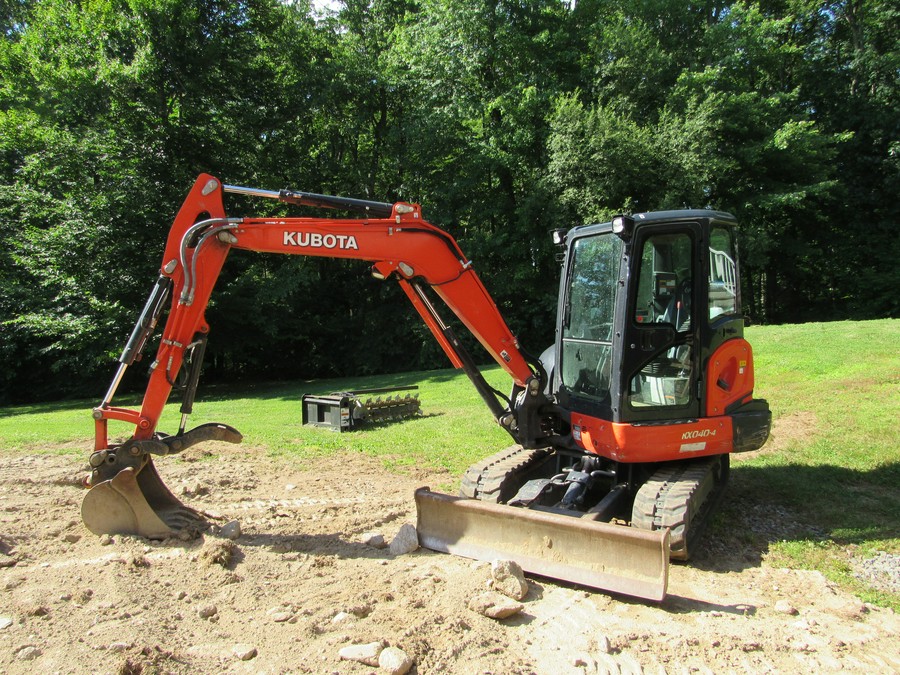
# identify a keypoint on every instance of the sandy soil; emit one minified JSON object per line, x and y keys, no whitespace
{"x":299,"y":585}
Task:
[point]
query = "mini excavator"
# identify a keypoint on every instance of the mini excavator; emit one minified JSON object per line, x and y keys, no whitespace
{"x":621,"y":431}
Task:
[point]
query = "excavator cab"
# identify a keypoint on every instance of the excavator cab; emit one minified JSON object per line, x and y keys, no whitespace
{"x":641,"y":312}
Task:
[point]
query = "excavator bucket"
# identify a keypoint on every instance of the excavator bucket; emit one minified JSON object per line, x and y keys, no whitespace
{"x":126,"y":494}
{"x":137,"y":502}
{"x":594,"y":554}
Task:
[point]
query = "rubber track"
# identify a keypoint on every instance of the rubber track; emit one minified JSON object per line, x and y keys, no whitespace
{"x":679,"y":497}
{"x":496,"y":479}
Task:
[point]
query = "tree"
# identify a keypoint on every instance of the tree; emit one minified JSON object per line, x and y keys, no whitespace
{"x":504,"y":119}
{"x":721,"y":124}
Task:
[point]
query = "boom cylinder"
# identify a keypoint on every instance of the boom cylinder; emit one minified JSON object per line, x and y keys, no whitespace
{"x":371,"y":208}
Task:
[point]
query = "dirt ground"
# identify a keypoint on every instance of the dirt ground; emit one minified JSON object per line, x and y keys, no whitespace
{"x":299,"y":585}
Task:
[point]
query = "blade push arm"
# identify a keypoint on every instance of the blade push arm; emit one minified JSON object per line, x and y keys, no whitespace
{"x":398,"y":243}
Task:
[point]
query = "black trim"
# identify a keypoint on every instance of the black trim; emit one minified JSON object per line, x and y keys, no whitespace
{"x":751,"y":425}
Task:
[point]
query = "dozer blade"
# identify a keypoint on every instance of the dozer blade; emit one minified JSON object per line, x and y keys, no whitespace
{"x":137,"y":502}
{"x":599,"y":555}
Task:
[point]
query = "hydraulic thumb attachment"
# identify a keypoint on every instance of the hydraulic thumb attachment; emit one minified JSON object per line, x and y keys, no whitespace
{"x":127,"y":496}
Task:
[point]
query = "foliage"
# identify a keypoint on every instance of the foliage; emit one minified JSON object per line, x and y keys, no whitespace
{"x":504,"y":119}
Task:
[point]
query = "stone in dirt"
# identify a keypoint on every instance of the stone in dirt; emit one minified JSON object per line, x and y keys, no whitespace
{"x":244,"y":652}
{"x":373,"y":539}
{"x":603,"y":645}
{"x":509,"y":579}
{"x":495,"y":605}
{"x":231,"y":530}
{"x":28,"y":653}
{"x":281,"y":617}
{"x":5,"y":622}
{"x":195,"y":490}
{"x":207,"y":611}
{"x":395,"y":661}
{"x":784,"y":607}
{"x":406,"y":541}
{"x":367,"y":653}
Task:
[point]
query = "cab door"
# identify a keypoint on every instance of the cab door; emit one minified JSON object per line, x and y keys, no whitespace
{"x":661,"y":361}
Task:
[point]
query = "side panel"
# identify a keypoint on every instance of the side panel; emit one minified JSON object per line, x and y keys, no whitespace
{"x":633,"y":443}
{"x":729,"y":377}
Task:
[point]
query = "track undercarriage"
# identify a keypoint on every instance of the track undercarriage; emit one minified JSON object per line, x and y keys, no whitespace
{"x":674,"y":496}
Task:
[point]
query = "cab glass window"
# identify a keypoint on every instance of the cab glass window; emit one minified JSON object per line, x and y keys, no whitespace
{"x":664,"y":295}
{"x":664,"y":281}
{"x":722,"y":277}
{"x":588,"y":322}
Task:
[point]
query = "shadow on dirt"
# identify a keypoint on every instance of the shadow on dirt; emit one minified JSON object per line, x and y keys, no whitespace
{"x":676,"y":604}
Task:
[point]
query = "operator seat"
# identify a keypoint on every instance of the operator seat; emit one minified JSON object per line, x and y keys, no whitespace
{"x":678,"y":311}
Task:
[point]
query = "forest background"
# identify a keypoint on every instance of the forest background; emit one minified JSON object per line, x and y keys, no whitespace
{"x":505,"y":119}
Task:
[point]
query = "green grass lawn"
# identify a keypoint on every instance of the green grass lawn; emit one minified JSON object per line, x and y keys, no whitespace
{"x":834,"y":389}
{"x":454,"y":430}
{"x":834,"y":460}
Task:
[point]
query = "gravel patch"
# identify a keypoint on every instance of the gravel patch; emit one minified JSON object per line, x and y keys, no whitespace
{"x":881,"y":571}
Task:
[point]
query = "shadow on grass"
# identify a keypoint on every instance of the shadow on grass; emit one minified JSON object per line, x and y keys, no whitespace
{"x":49,"y":408}
{"x":794,"y":503}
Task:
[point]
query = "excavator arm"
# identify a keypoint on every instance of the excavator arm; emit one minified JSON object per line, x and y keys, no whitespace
{"x":398,"y":243}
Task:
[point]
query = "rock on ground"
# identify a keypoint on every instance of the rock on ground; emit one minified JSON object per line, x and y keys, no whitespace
{"x":207,"y":611}
{"x":395,"y":661}
{"x":366,"y":653}
{"x":509,"y":579}
{"x":28,"y":653}
{"x":785,"y":607}
{"x":495,"y":605}
{"x":231,"y":530}
{"x":406,"y":540}
{"x":373,"y":539}
{"x":244,"y":652}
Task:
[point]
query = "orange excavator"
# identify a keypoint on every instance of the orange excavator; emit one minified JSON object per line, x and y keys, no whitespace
{"x":621,"y":431}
